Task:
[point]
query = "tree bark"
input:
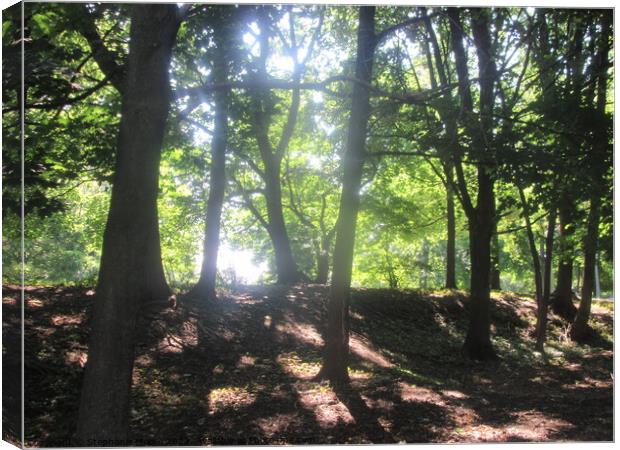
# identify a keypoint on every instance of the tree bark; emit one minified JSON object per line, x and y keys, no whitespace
{"x":538,"y":282}
{"x":580,"y":329}
{"x":598,"y":154}
{"x":286,"y":267}
{"x":336,"y":356}
{"x":495,"y":269}
{"x":541,"y":318}
{"x":562,"y":299}
{"x":481,"y":217}
{"x":217,"y":173}
{"x":322,"y":267}
{"x":262,"y":108}
{"x":131,"y":272}
{"x":477,"y":344}
{"x":451,"y":231}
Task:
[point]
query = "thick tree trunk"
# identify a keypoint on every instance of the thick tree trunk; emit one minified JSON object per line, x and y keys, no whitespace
{"x":481,"y":218}
{"x":580,"y":329}
{"x":451,"y":224}
{"x":336,"y":357}
{"x":286,"y":267}
{"x":478,"y":340}
{"x":217,"y":173}
{"x":131,"y":272}
{"x":541,"y":317}
{"x":562,"y":299}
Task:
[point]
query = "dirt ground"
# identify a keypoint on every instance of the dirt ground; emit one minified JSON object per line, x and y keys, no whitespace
{"x":240,"y":371}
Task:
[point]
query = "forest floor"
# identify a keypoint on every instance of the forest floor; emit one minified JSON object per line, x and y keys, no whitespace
{"x":240,"y":371}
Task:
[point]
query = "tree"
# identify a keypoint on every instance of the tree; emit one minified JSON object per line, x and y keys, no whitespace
{"x":224,"y":27}
{"x":262,"y":108}
{"x":336,"y":357}
{"x":598,"y":159}
{"x":131,"y":273}
{"x":480,"y":217}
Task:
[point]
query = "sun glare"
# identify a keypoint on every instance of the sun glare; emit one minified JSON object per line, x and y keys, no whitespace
{"x":237,"y":264}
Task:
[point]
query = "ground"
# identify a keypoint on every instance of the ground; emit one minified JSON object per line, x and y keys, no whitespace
{"x":240,"y":371}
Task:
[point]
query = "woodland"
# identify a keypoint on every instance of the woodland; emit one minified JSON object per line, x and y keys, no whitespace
{"x":306,"y":224}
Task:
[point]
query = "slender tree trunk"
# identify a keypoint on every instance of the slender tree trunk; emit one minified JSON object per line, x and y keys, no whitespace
{"x":272,"y":155}
{"x":597,"y":280}
{"x":322,"y":262}
{"x":336,"y":357}
{"x":495,"y":269}
{"x":541,"y":318}
{"x":532,"y":244}
{"x":562,"y":298}
{"x":217,"y":175}
{"x":131,"y":272}
{"x":451,"y":224}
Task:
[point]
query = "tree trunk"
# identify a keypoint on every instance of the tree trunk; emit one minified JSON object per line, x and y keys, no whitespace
{"x":541,"y":317}
{"x":600,"y":150}
{"x":451,"y":224}
{"x":481,"y":218}
{"x":562,"y":299}
{"x":597,"y":281}
{"x":263,"y":108}
{"x":532,"y":244}
{"x":580,"y":329}
{"x":217,"y":173}
{"x":322,"y":262}
{"x":478,"y":340}
{"x":495,"y":270}
{"x":336,"y":357}
{"x":286,"y":267}
{"x":131,"y":272}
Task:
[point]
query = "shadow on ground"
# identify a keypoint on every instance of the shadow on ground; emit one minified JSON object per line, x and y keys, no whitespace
{"x":241,"y":371}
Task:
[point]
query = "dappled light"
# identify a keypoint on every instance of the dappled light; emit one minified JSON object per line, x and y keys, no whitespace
{"x":229,"y":397}
{"x":328,"y":410}
{"x":218,"y":370}
{"x":363,"y":349}
{"x":283,"y":224}
{"x":303,"y":332}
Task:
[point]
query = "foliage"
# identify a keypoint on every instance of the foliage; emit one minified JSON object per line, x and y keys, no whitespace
{"x":72,"y":115}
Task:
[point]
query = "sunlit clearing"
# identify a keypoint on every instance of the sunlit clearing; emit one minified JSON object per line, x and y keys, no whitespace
{"x":237,"y":265}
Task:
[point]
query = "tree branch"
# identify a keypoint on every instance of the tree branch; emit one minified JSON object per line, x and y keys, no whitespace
{"x":105,"y":58}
